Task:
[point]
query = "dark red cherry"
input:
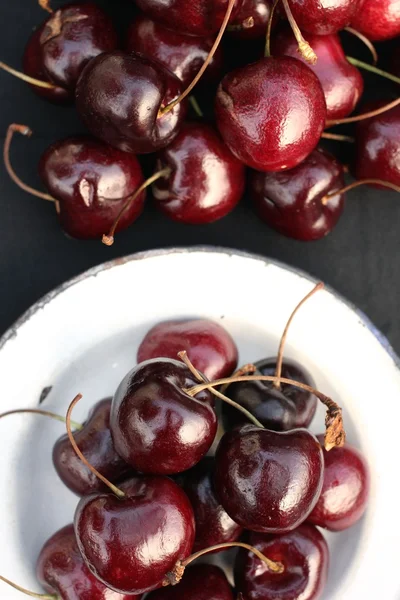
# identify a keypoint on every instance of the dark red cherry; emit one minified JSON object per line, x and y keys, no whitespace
{"x":291,"y":201}
{"x":131,"y":543}
{"x":321,"y":17}
{"x":378,"y":19}
{"x":200,"y":582}
{"x":92,"y":183}
{"x":345,"y":489}
{"x":197,"y":17}
{"x":342,"y":82}
{"x":268,"y":481}
{"x":213,"y":524}
{"x":377,"y":146}
{"x":69,"y":38}
{"x":208,"y":345}
{"x":95,"y":442}
{"x":62,"y":570}
{"x":206,"y":180}
{"x":182,"y":54}
{"x":156,"y":426}
{"x":271,"y":113}
{"x":119,"y":97}
{"x":304,"y":554}
{"x":259,"y":12}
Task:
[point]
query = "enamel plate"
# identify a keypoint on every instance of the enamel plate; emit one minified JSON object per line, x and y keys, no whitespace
{"x":83,"y":337}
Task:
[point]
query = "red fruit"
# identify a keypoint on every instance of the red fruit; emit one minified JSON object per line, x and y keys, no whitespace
{"x":378,"y":19}
{"x":321,"y":17}
{"x":259,"y":11}
{"x":200,"y":582}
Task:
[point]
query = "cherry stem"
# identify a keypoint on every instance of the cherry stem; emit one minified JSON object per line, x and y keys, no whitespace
{"x":356,"y":184}
{"x":247,"y":369}
{"x":28,"y":592}
{"x":112,"y":487}
{"x":279,"y":361}
{"x":196,"y":106}
{"x":372,"y":69}
{"x":209,"y":58}
{"x":184,"y":357}
{"x":334,"y":435}
{"x":108,"y":239}
{"x":267,"y":51}
{"x":23,"y":130}
{"x":304,"y":47}
{"x":45,"y":4}
{"x":367,"y":115}
{"x":38,"y":82}
{"x":44,"y":413}
{"x":175,"y":576}
{"x":338,"y":137}
{"x":366,"y":42}
{"x":247,"y":23}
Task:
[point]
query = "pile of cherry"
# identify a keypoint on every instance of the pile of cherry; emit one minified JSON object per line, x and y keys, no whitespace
{"x":162,"y":482}
{"x":269,"y":116}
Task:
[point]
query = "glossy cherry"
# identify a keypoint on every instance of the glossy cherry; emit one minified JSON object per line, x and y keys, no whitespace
{"x":206,"y":180}
{"x":95,"y":441}
{"x":198,"y":17}
{"x":271,"y":113}
{"x":377,"y":146}
{"x":213,"y":524}
{"x":119,"y":97}
{"x":131,"y":543}
{"x":62,"y":570}
{"x":200,"y":582}
{"x":182,"y":54}
{"x":156,"y":426}
{"x":268,"y":481}
{"x":258,"y":12}
{"x":304,"y":554}
{"x":342,"y":82}
{"x":61,"y":47}
{"x":323,"y":18}
{"x":208,"y":345}
{"x":345,"y":489}
{"x":291,"y":202}
{"x":378,"y":19}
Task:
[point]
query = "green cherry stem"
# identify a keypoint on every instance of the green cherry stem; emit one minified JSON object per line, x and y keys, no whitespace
{"x":363,"y":116}
{"x":44,"y":413}
{"x":366,"y":43}
{"x":372,"y":69}
{"x":28,"y":592}
{"x":267,"y":51}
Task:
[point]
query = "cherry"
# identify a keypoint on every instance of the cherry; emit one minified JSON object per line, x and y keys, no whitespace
{"x":94,"y":440}
{"x":293,"y":203}
{"x":198,"y":17}
{"x":378,"y":19}
{"x":206,"y":181}
{"x":208,"y":345}
{"x":271,"y":113}
{"x":268,"y":481}
{"x":213,"y":525}
{"x":156,"y":426}
{"x":200,"y":582}
{"x":341,"y":81}
{"x":131,"y":542}
{"x":182,"y":54}
{"x":304,"y":554}
{"x":322,"y":18}
{"x":251,"y":20}
{"x":345,"y":489}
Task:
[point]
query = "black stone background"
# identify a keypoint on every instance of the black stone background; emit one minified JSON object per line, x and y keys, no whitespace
{"x":360,"y":258}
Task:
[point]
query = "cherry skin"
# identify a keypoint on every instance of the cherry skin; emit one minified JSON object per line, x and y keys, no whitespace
{"x":304,"y":554}
{"x":291,"y":202}
{"x":200,"y":582}
{"x":91,"y":182}
{"x":119,"y":96}
{"x":345,"y":489}
{"x":208,"y":345}
{"x":259,"y":11}
{"x":182,"y":54}
{"x":62,"y":570}
{"x":61,"y":47}
{"x":378,"y":19}
{"x":268,"y":481}
{"x":342,"y":83}
{"x":377,"y":146}
{"x":95,"y":442}
{"x":131,"y":543}
{"x":206,"y":180}
{"x":213,"y":525}
{"x":271,"y":113}
{"x":323,"y":18}
{"x":156,"y":426}
{"x":198,"y":17}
